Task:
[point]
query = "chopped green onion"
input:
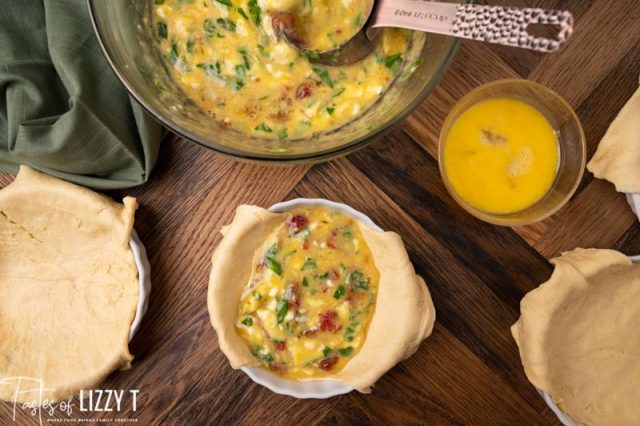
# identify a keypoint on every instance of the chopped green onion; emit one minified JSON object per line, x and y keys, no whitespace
{"x":345,"y":351}
{"x":241,"y":12}
{"x":310,"y":54}
{"x":282,"y":133}
{"x":309,"y":263}
{"x":245,"y":58}
{"x":255,"y":11}
{"x":412,"y":67}
{"x":322,"y":276}
{"x":163,"y":32}
{"x":339,"y":292}
{"x":357,"y":21}
{"x":173,"y":54}
{"x":281,"y":309}
{"x":357,"y":280}
{"x":241,"y":71}
{"x":257,"y":352}
{"x":274,"y":265}
{"x":323,"y":73}
{"x":272,"y":250}
{"x":392,"y":61}
{"x":212,"y":70}
{"x":263,"y":127}
{"x":248,"y":321}
{"x":227,"y":23}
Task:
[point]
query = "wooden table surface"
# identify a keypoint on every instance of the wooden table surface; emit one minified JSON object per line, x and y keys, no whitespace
{"x":468,"y":371}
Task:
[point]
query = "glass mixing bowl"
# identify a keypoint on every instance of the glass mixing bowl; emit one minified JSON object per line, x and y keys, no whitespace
{"x":125,"y":32}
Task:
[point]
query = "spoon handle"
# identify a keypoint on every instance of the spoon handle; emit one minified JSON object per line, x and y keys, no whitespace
{"x":493,"y":24}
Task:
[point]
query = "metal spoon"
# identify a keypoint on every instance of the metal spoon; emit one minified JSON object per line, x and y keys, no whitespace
{"x":492,"y":24}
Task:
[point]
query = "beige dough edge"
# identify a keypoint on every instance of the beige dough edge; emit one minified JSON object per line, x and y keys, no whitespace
{"x":618,"y":153}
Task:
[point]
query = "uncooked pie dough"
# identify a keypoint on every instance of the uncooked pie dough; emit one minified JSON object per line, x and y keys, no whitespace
{"x":68,"y":287}
{"x":579,"y":337}
{"x":618,"y":156}
{"x":403,"y":315}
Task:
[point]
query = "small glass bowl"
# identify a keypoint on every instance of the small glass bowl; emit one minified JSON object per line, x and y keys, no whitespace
{"x":571,"y":145}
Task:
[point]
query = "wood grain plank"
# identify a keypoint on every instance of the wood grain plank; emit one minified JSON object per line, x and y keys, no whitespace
{"x":604,"y":35}
{"x":586,"y":223}
{"x":419,"y":390}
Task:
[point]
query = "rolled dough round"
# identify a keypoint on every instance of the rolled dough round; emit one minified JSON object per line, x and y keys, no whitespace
{"x":68,"y":288}
{"x":579,"y":337}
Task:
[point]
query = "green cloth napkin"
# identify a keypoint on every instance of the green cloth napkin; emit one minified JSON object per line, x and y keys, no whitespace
{"x":62,"y":109}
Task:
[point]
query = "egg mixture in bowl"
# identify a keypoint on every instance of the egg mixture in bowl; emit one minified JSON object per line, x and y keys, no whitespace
{"x":217,"y":73}
{"x":310,"y":297}
{"x":226,"y":56}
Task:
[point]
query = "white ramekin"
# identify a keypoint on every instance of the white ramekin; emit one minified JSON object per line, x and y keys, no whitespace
{"x":144,"y":281}
{"x":563,"y":417}
{"x":634,"y":202}
{"x":318,"y":389}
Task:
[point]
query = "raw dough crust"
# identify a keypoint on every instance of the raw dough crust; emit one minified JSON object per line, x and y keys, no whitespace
{"x":618,"y":156}
{"x":403,"y":317}
{"x":579,"y":337}
{"x":68,"y":286}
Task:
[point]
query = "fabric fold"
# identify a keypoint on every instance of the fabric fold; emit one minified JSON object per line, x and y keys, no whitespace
{"x":62,"y":109}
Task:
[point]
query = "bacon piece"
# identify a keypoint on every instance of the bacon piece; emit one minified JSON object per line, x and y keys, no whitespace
{"x":334,"y":275}
{"x":283,"y":24}
{"x":284,"y":91}
{"x":297,"y":223}
{"x":310,"y":332}
{"x":331,"y":242}
{"x":327,"y":322}
{"x":304,"y":91}
{"x":278,"y":368}
{"x":293,"y":293}
{"x":282,"y":21}
{"x":328,"y":363}
{"x":305,"y":244}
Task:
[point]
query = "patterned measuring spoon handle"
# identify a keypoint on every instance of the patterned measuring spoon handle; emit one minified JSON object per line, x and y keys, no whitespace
{"x":492,"y":24}
{"x":508,"y":26}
